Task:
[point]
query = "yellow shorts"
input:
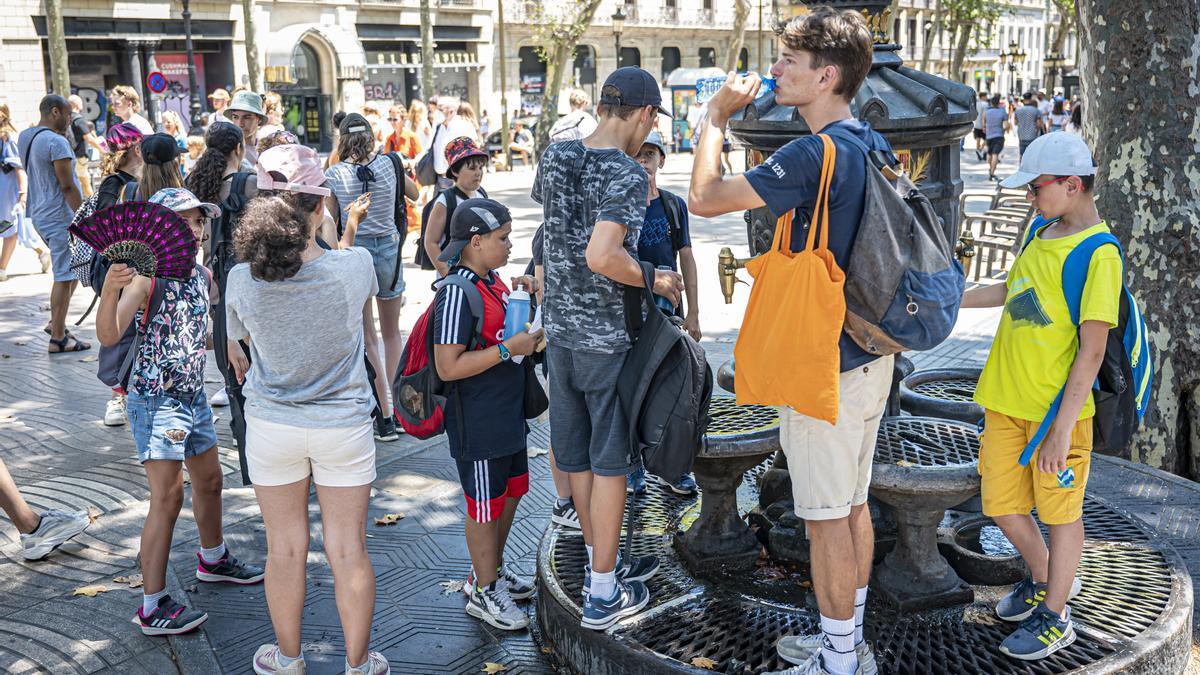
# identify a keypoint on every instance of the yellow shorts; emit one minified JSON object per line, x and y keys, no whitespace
{"x":1009,"y":488}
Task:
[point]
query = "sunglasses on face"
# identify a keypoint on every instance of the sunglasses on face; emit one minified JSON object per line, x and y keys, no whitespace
{"x":1033,"y":188}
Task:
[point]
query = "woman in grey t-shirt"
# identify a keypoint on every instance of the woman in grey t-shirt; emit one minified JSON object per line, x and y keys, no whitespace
{"x":308,"y":400}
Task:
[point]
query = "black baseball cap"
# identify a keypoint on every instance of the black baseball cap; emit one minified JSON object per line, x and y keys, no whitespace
{"x":472,"y":217}
{"x":159,"y":149}
{"x":635,"y":87}
{"x":354,"y":123}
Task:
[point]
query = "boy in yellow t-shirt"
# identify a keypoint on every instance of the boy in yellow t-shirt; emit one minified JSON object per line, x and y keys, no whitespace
{"x":1037,"y":348}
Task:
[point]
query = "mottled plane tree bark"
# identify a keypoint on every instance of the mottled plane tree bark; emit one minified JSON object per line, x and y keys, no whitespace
{"x":1140,"y":64}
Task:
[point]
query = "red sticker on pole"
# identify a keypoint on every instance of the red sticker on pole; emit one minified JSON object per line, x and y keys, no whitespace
{"x":156,"y":82}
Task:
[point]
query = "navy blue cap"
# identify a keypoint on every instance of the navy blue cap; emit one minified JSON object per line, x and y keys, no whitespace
{"x":635,"y":87}
{"x":472,"y":217}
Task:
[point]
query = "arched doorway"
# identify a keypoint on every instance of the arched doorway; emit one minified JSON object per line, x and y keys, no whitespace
{"x":583,"y":73}
{"x":708,"y":57}
{"x":671,"y":60}
{"x":532,"y":72}
{"x":307,"y":107}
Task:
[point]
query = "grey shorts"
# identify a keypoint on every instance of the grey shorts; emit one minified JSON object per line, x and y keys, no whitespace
{"x":588,"y":428}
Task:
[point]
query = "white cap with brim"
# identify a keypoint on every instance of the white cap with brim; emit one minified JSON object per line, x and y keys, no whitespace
{"x":1055,"y":154}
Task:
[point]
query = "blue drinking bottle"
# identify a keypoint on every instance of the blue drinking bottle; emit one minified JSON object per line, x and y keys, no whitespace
{"x":517,"y":313}
{"x":663,"y":303}
{"x":707,"y":87}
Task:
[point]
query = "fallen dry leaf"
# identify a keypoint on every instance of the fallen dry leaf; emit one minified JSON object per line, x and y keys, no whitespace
{"x":91,"y":591}
{"x":88,"y":359}
{"x":538,"y":452}
{"x":452,"y":587}
{"x":704,"y":662}
{"x":905,"y":463}
{"x":389,"y":519}
{"x":490,"y":667}
{"x":546,"y":650}
{"x":5,"y":356}
{"x":93,"y":515}
{"x":134,"y":580}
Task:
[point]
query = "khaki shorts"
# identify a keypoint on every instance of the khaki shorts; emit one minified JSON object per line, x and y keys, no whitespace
{"x":1010,"y":489}
{"x":830,"y":465}
{"x":281,"y":454}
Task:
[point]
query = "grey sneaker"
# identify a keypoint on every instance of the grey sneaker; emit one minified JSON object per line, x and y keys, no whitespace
{"x":566,"y":515}
{"x":520,"y":588}
{"x":813,"y":666}
{"x":376,"y":665}
{"x":1039,"y":636}
{"x":638,"y":568}
{"x":56,"y":528}
{"x":1025,"y":597}
{"x":797,"y":649}
{"x":266,"y":662}
{"x":495,"y":606}
{"x":114,"y":411}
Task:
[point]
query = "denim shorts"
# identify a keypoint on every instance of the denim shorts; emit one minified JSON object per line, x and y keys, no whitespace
{"x":169,"y":427}
{"x":385,"y":249}
{"x":588,"y":428}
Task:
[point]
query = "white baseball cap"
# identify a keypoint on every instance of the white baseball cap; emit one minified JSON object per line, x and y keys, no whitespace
{"x":1055,"y":154}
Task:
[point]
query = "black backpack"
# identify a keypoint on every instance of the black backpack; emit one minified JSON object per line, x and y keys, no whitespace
{"x":453,"y":195}
{"x":222,"y":259}
{"x":664,"y":386}
{"x":673,"y":206}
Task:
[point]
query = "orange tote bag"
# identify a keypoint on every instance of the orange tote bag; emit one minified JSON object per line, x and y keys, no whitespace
{"x":787,"y":349}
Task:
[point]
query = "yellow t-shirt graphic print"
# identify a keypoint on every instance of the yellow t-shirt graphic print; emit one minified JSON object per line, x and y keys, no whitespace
{"x":1036,"y":343}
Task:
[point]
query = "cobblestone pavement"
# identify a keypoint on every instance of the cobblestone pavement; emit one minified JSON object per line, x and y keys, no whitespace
{"x":62,"y":456}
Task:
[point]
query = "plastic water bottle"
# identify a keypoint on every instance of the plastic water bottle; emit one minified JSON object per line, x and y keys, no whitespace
{"x":663,"y":303}
{"x":707,"y":87}
{"x":517,"y":314}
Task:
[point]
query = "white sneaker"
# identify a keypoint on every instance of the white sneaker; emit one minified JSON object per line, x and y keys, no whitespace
{"x":495,"y":606}
{"x":56,"y":528}
{"x":219,"y":399}
{"x":266,"y":662}
{"x":798,"y":649}
{"x":114,"y":411}
{"x":376,"y":665}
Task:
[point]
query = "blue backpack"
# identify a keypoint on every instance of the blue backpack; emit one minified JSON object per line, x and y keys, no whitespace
{"x":1122,"y":388}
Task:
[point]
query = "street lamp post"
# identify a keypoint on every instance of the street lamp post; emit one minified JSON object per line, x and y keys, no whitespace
{"x":505,"y":133}
{"x":194,"y":105}
{"x":1054,"y":63}
{"x":1013,"y":57}
{"x":618,"y":27}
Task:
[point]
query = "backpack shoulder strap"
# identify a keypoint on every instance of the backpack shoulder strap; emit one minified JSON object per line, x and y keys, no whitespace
{"x":237,"y":191}
{"x":25,"y":162}
{"x":671,"y":205}
{"x":154,"y":301}
{"x":1039,"y":223}
{"x":1075,"y":269}
{"x":483,"y":192}
{"x":474,"y":300}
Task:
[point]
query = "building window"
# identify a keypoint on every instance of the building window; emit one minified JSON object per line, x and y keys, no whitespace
{"x":305,"y":63}
{"x":631,"y":56}
{"x":670,"y":60}
{"x":896,"y":31}
{"x":585,"y":65}
{"x":708,"y":57}
{"x":912,"y":37}
{"x":707,"y":5}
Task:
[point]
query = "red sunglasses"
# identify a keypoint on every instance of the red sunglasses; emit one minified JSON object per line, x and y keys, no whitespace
{"x":1034,"y":187}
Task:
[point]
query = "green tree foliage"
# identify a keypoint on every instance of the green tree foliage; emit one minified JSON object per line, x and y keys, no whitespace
{"x":970,"y":24}
{"x":558,"y":26}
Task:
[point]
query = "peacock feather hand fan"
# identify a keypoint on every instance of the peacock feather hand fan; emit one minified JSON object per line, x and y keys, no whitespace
{"x":151,"y":238}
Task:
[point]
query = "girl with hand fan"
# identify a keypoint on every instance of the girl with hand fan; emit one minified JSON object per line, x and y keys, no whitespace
{"x":168,"y":413}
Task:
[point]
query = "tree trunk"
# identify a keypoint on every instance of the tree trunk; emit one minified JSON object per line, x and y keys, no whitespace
{"x":741,"y":14}
{"x":252,"y":68}
{"x":1145,"y":187}
{"x":937,"y":30}
{"x":1066,"y":18}
{"x":60,"y":76}
{"x":427,"y":90}
{"x":960,"y":50}
{"x":550,"y":94}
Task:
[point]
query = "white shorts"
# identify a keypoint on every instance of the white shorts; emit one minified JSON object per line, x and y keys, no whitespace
{"x":830,"y":465}
{"x":280,"y":454}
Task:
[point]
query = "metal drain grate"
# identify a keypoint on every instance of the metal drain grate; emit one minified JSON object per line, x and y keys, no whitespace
{"x":729,"y":418}
{"x":926,"y":441}
{"x":957,"y":389}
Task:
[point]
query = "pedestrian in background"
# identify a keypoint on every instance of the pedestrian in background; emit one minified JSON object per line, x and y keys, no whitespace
{"x":1029,"y":123}
{"x":996,"y":125}
{"x":172,"y":125}
{"x":160,"y":170}
{"x":127,"y":105}
{"x":246,"y":113}
{"x":220,"y":101}
{"x":82,"y":137}
{"x":54,"y":197}
{"x":14,"y":187}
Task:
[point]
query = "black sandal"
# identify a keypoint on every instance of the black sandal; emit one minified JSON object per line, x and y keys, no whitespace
{"x":79,"y":346}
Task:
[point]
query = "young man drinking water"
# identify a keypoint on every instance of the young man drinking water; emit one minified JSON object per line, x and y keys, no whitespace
{"x":593,"y":197}
{"x":824,"y":57}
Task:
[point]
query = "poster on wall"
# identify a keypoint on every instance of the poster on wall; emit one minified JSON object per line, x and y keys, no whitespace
{"x":178,"y":96}
{"x":532,"y":87}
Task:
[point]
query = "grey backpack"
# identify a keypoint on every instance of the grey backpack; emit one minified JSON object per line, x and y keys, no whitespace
{"x":903,"y":283}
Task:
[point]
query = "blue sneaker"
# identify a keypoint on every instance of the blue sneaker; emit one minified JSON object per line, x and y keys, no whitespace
{"x":635,"y":482}
{"x":638,"y":568}
{"x":1039,"y":636}
{"x":630,"y":598}
{"x":685,"y":486}
{"x":1025,"y":597}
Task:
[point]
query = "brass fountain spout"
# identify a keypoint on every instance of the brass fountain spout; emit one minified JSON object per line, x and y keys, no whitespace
{"x":965,"y":250}
{"x":727,"y":267}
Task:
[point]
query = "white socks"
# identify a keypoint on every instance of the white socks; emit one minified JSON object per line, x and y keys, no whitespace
{"x":604,"y":584}
{"x":213,"y":555}
{"x":285,"y":661}
{"x":589,"y":550}
{"x":838,"y":652}
{"x":860,"y":608}
{"x":150,"y":602}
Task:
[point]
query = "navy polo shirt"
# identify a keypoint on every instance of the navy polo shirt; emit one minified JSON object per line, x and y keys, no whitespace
{"x":790,"y":179}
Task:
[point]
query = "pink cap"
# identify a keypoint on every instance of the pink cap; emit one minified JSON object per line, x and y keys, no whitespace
{"x":299,"y":165}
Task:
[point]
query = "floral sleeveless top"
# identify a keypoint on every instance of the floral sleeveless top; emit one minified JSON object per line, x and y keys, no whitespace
{"x":171,"y":359}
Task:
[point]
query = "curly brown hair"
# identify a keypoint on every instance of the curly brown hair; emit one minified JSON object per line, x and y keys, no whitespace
{"x":834,"y":38}
{"x":204,"y":180}
{"x":273,"y":233}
